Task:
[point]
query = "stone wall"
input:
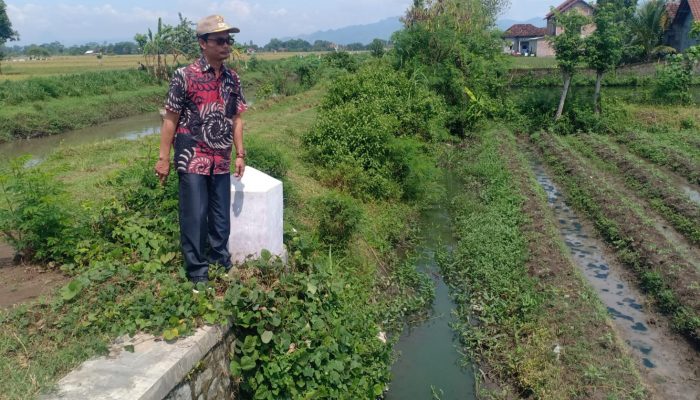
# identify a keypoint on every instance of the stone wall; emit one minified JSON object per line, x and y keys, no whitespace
{"x":210,"y":379}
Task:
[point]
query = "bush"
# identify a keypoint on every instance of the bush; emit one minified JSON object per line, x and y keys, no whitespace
{"x":673,"y":81}
{"x":341,"y":60}
{"x":266,"y":157}
{"x":339,"y":217}
{"x":367,"y":122}
{"x":37,"y":222}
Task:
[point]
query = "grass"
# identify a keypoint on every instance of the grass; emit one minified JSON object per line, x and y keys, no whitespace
{"x":60,"y":115}
{"x":532,"y":62}
{"x":518,"y":294}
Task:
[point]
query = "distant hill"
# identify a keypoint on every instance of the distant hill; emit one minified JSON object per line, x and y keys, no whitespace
{"x":356,"y":33}
{"x":504,"y":24}
{"x":383,"y":29}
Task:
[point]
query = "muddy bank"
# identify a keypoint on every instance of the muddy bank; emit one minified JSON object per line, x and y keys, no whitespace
{"x":22,"y":283}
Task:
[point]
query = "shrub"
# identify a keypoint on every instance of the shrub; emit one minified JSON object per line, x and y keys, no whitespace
{"x":341,"y":60}
{"x":339,"y":217}
{"x":673,"y":81}
{"x":266,"y":157}
{"x":37,"y":220}
{"x":367,"y":122}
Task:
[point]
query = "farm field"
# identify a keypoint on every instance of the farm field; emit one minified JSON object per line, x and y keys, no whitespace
{"x":573,"y":263}
{"x":60,"y":65}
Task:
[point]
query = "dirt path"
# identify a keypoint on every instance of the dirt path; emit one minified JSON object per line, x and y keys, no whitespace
{"x":24,"y":282}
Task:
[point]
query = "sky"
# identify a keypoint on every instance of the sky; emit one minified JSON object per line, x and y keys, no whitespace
{"x":81,"y":21}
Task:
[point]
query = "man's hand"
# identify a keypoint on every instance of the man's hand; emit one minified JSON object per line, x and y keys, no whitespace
{"x":162,"y":170}
{"x":240,"y":167}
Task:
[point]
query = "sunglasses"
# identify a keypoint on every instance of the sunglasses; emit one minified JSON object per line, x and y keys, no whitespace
{"x":220,"y":41}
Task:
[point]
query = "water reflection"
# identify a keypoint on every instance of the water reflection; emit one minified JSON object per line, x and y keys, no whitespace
{"x":130,"y":128}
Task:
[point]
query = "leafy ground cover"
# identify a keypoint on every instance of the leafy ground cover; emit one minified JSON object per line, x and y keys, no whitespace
{"x":518,"y":293}
{"x":669,"y":279}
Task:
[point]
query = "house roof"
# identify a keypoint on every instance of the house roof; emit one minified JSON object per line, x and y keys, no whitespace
{"x":524,"y":30}
{"x":672,"y":9}
{"x":565,"y":6}
{"x":695,"y":8}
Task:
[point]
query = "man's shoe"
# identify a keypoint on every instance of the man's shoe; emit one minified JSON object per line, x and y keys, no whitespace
{"x":196,"y":281}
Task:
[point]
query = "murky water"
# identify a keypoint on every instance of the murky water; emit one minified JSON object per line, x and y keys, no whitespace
{"x":429,"y":364}
{"x":692,"y":193}
{"x":664,"y":357}
{"x":127,"y":128}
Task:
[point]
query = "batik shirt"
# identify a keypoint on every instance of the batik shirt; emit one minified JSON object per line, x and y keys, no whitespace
{"x":206,"y":105}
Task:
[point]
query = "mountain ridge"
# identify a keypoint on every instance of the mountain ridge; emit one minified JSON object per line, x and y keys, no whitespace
{"x":383,"y":29}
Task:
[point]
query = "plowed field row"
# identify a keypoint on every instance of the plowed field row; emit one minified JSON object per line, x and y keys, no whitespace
{"x":669,"y":278}
{"x":658,"y":189}
{"x":530,"y":319}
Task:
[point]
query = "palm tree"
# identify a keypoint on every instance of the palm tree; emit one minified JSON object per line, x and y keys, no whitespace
{"x":648,"y":26}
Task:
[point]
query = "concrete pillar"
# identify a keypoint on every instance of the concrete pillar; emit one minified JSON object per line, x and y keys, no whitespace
{"x":256,"y":216}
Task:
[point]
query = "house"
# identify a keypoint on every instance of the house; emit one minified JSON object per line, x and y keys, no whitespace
{"x":567,"y":6}
{"x":531,"y":40}
{"x":681,"y":16}
{"x":524,"y":39}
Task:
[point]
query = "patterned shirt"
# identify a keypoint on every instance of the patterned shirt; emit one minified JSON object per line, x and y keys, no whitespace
{"x":207,"y":105}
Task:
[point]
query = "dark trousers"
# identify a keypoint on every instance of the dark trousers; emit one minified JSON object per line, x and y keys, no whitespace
{"x":205,"y":222}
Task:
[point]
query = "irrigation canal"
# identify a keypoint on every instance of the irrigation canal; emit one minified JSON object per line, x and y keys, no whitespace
{"x":124,"y":128}
{"x":663,"y":356}
{"x":429,"y":365}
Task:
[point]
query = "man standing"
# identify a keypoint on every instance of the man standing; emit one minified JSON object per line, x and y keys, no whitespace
{"x":203,"y":114}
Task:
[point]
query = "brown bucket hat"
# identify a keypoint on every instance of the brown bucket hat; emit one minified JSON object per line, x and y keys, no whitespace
{"x":214,"y":23}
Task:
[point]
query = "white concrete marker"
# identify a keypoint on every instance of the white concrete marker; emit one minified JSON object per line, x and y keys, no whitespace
{"x":256,"y":216}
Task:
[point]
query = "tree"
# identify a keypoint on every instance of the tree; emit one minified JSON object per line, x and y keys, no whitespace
{"x":452,"y":45}
{"x":648,"y":26}
{"x":376,"y":48}
{"x":604,"y":48}
{"x":6,"y":31}
{"x":569,"y":47}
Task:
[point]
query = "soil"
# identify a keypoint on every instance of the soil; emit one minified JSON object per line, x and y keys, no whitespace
{"x":680,"y":378}
{"x":654,"y":251}
{"x":660,"y":188}
{"x":674,"y":160}
{"x":548,"y":262}
{"x":23,"y":283}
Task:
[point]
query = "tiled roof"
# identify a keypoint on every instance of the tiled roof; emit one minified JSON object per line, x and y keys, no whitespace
{"x":672,"y":10}
{"x":524,"y":30}
{"x":567,"y":5}
{"x":695,"y":8}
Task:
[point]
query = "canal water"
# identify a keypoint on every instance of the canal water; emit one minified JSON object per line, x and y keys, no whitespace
{"x":130,"y":128}
{"x":671,"y":364}
{"x":430,"y":365}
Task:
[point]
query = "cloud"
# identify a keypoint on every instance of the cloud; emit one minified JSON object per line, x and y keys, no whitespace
{"x":281,"y":12}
